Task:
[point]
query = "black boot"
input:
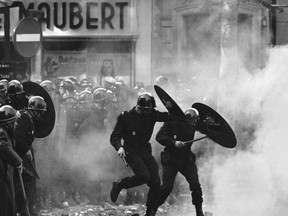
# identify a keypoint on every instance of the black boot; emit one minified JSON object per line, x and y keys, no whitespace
{"x":150,"y":212}
{"x":199,"y":210}
{"x":116,"y":189}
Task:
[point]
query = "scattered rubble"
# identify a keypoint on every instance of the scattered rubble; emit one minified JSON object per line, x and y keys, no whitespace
{"x":108,"y":209}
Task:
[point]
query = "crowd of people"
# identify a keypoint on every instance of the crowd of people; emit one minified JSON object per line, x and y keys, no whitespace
{"x":55,"y":169}
{"x":84,"y":108}
{"x":18,"y":115}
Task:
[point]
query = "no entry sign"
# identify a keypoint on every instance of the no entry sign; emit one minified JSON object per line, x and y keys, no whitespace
{"x":27,"y":37}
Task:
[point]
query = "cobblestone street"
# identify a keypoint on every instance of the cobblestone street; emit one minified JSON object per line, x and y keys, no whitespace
{"x":107,"y":209}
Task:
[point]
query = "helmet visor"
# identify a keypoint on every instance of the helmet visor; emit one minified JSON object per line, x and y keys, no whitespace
{"x":146,"y":110}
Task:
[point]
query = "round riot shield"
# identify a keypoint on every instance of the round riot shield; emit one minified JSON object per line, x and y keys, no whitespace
{"x":215,"y":126}
{"x":44,"y":126}
{"x":168,"y":102}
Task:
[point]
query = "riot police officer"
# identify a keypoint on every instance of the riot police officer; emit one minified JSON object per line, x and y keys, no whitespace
{"x":67,"y":89}
{"x":178,"y":157}
{"x":16,"y":94}
{"x":94,"y":109}
{"x":135,"y":127}
{"x":48,"y":86}
{"x":106,"y":102}
{"x":24,"y":137}
{"x":86,"y":84}
{"x":9,"y":160}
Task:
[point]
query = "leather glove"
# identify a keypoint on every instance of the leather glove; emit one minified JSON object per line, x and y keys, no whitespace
{"x":121,"y":152}
{"x":28,"y":155}
{"x":179,"y":144}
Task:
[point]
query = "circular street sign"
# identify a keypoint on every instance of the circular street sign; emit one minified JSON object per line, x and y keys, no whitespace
{"x":27,"y":37}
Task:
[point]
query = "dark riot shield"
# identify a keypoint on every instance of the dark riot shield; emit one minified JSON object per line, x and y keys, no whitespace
{"x":218,"y":130}
{"x":168,"y":102}
{"x":45,"y":126}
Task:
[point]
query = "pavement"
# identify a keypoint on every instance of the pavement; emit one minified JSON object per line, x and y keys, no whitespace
{"x":107,"y":209}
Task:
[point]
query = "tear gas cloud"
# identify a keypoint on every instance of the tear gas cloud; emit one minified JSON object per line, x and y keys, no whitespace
{"x":258,"y":174}
{"x":93,"y":155}
{"x":252,"y":178}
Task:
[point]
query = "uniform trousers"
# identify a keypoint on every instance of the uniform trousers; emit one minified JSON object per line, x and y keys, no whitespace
{"x":146,"y":171}
{"x":189,"y":170}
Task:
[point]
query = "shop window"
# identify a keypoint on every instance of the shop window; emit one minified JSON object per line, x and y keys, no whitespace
{"x":93,"y":59}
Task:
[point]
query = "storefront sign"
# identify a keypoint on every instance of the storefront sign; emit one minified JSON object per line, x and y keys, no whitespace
{"x":85,"y":17}
{"x":85,"y":63}
{"x":64,"y":63}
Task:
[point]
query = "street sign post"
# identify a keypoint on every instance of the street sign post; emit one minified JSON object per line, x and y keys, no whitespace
{"x":27,"y":37}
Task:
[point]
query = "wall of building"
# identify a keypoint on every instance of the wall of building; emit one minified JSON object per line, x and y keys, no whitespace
{"x":172,"y":36}
{"x":282,"y":24}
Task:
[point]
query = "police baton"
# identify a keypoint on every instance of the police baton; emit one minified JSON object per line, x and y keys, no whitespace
{"x":191,"y":141}
{"x":23,"y":191}
{"x":124,"y":160}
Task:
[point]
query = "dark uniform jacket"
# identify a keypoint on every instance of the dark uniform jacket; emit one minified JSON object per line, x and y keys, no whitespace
{"x":135,"y":129}
{"x":8,"y":161}
{"x":24,"y":137}
{"x":4,"y":100}
{"x":24,"y":132}
{"x":169,"y":133}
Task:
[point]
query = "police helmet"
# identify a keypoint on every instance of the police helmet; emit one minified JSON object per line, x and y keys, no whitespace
{"x":37,"y":103}
{"x":100,"y":94}
{"x":7,"y":115}
{"x":85,"y":96}
{"x":47,"y":85}
{"x":14,"y":88}
{"x":146,"y":100}
{"x":3,"y":85}
{"x":68,"y":85}
{"x":192,"y":115}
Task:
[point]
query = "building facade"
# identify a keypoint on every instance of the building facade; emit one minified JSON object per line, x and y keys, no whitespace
{"x":138,"y":40}
{"x":96,"y":39}
{"x":197,"y":36}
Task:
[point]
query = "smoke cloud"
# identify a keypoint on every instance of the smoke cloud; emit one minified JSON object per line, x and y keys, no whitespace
{"x":250,"y":179}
